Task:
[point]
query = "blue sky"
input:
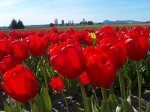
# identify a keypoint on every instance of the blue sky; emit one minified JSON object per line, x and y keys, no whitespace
{"x":33,"y":12}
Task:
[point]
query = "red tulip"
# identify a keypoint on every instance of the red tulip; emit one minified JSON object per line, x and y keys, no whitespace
{"x":136,"y":43}
{"x":137,"y":48}
{"x":37,"y":46}
{"x":54,"y":29}
{"x":105,"y":32}
{"x":63,"y":37}
{"x":124,"y":28}
{"x":69,"y":60}
{"x":40,"y":33}
{"x":83,"y":37}
{"x":116,"y":29}
{"x":3,"y":36}
{"x":20,"y":50}
{"x":90,"y":51}
{"x":101,"y":70}
{"x":20,"y":84}
{"x":14,"y":34}
{"x":57,"y":83}
{"x":5,"y":49}
{"x":54,"y":38}
{"x":115,"y":49}
{"x":84,"y":78}
{"x":8,"y":62}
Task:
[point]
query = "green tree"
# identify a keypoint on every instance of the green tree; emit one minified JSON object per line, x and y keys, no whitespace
{"x":13,"y":24}
{"x":90,"y":23}
{"x":51,"y":25}
{"x":20,"y":25}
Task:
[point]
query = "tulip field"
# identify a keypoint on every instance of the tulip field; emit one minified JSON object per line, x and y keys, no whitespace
{"x":86,"y":70}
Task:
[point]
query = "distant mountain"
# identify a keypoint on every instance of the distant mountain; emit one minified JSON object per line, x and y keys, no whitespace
{"x":120,"y":21}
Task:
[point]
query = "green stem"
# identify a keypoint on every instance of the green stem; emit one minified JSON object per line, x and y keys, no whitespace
{"x":123,"y":94}
{"x":139,"y":86}
{"x":94,"y":94}
{"x":18,"y":107}
{"x":85,"y":99}
{"x":11,"y":105}
{"x":38,"y":106}
{"x":44,"y":73}
{"x":65,"y":101}
{"x":104,"y":95}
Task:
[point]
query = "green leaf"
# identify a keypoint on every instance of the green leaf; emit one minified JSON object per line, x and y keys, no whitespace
{"x":37,"y":104}
{"x":35,"y":108}
{"x":112,"y":99}
{"x":38,"y":68}
{"x":129,"y":107}
{"x":94,"y":106}
{"x":85,"y":99}
{"x":79,"y":109}
{"x":103,"y":106}
{"x":39,"y":100}
{"x":148,"y":107}
{"x":18,"y":107}
{"x":7,"y":107}
{"x":47,"y":102}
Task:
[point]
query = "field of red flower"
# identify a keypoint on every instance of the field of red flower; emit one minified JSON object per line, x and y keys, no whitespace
{"x":93,"y":65}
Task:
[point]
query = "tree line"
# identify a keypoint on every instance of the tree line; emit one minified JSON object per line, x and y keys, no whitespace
{"x":16,"y":24}
{"x":19,"y":24}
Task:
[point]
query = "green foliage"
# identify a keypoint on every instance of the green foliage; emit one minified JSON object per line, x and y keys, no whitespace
{"x":90,"y":23}
{"x":94,"y":106}
{"x":72,"y":86}
{"x":51,"y":24}
{"x":146,"y":69}
{"x":16,"y":25}
{"x":148,"y":108}
{"x":20,"y":25}
{"x":113,"y":99}
{"x":13,"y":24}
{"x":85,"y":99}
{"x":42,"y":102}
{"x":46,"y":99}
{"x":7,"y":108}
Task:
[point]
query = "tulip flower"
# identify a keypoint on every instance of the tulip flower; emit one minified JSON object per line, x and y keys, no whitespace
{"x":37,"y":46}
{"x":8,"y":62}
{"x":101,"y":70}
{"x":20,"y":83}
{"x":136,"y":46}
{"x":115,"y":49}
{"x":57,"y":83}
{"x":69,"y":60}
{"x":84,"y":78}
{"x":5,"y":49}
{"x":20,"y":50}
{"x":105,"y":32}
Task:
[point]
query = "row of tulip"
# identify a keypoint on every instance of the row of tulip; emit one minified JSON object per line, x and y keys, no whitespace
{"x":32,"y":63}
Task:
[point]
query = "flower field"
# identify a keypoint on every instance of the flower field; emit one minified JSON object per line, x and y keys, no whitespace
{"x":103,"y":68}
